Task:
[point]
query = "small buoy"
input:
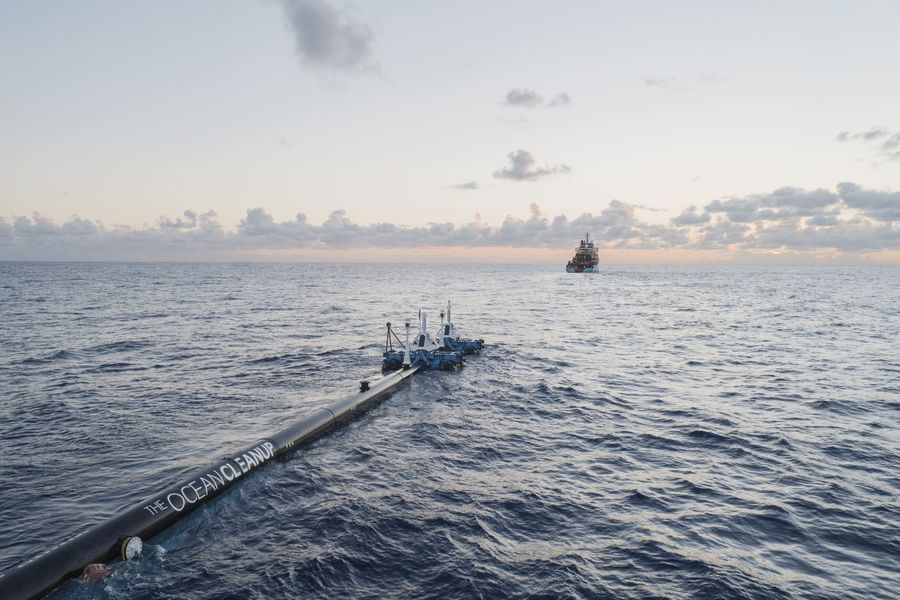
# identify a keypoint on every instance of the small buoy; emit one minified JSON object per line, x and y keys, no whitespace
{"x":131,"y":548}
{"x":95,"y":572}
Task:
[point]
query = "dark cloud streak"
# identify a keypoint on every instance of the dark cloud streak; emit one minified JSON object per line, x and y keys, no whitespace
{"x":885,"y":142}
{"x":327,"y":38}
{"x":523,"y":167}
{"x":526,"y":98}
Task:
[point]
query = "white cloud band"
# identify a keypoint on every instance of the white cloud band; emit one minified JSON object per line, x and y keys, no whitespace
{"x":852,"y":219}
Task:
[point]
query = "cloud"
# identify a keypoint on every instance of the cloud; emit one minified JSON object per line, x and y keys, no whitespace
{"x":786,"y":202}
{"x":847,"y":236}
{"x":39,"y":238}
{"x":523,"y":167}
{"x":866,"y":136}
{"x":469,"y":185}
{"x":876,"y":205}
{"x":37,"y":226}
{"x":722,"y":234}
{"x":77,"y":226}
{"x":328,"y":38}
{"x":562,"y":99}
{"x":690,"y":217}
{"x":661,"y":82}
{"x":189,"y":222}
{"x":885,"y":142}
{"x":823,"y":220}
{"x":854,"y":219}
{"x":209,"y":221}
{"x":526,"y":98}
{"x":260,"y":224}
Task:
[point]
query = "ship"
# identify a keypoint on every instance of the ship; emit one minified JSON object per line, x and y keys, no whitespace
{"x":585,"y":259}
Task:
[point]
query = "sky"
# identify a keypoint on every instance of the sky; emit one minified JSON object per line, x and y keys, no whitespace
{"x":407,"y":130}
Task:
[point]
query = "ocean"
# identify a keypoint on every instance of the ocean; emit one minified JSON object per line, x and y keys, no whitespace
{"x":642,"y":432}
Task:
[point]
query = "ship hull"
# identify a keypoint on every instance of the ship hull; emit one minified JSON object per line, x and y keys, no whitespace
{"x":581,"y":269}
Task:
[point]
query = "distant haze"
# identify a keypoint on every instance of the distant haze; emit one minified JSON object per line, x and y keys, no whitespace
{"x":502,"y":131}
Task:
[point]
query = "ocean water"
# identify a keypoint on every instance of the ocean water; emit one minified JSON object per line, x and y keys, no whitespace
{"x":644,"y":432}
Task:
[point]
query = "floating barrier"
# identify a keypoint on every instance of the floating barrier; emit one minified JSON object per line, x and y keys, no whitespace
{"x":121,"y":536}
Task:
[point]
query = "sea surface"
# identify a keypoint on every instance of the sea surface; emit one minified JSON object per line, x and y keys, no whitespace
{"x":643,"y":432}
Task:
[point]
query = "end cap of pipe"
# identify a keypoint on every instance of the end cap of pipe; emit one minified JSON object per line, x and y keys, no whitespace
{"x":131,"y":548}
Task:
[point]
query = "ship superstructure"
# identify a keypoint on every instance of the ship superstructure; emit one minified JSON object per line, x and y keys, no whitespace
{"x":586,"y":258}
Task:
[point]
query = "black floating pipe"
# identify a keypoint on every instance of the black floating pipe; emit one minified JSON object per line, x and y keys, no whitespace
{"x":104,"y":541}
